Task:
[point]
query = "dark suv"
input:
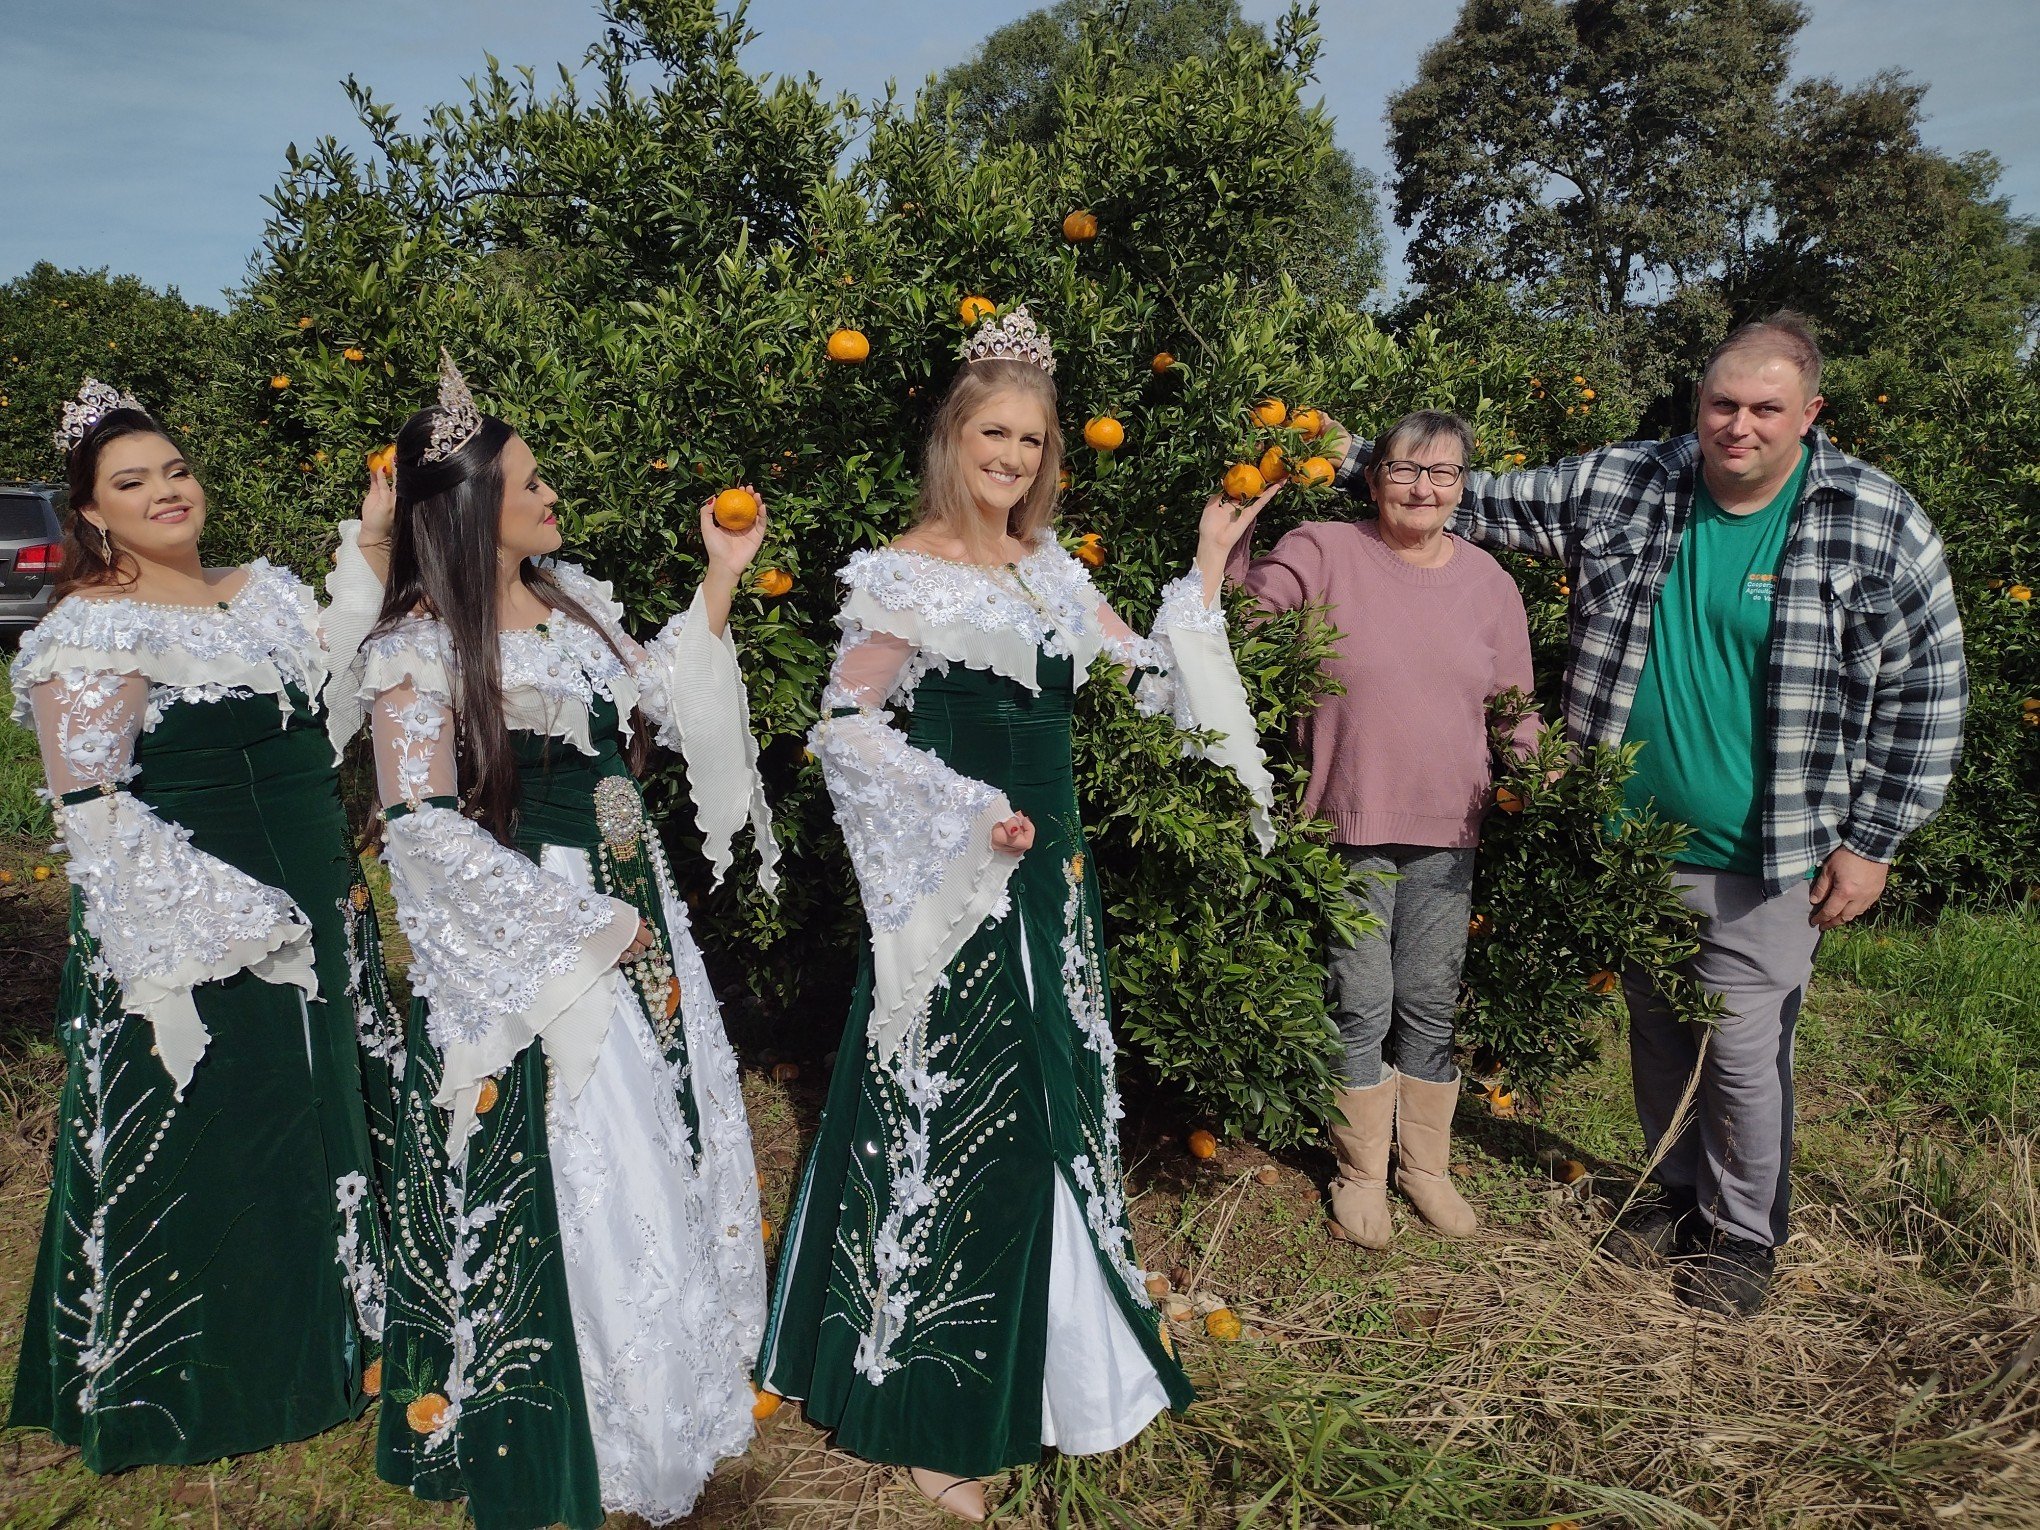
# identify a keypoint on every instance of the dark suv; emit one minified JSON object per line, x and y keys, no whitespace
{"x":31,"y":551}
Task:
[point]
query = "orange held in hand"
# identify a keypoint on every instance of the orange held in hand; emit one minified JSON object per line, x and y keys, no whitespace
{"x":774,"y":582}
{"x":974,"y":308}
{"x":1081,"y":226}
{"x":1105,"y":434}
{"x":1315,"y":472}
{"x":1271,"y":412}
{"x":1243,"y":480}
{"x":848,"y":346}
{"x":736,"y":510}
{"x":1311,"y":422}
{"x":383,"y":459}
{"x":1272,"y":468}
{"x":1202,"y":1144}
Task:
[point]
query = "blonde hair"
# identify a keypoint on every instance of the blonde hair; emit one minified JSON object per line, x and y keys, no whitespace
{"x":946,"y":502}
{"x":1784,"y":334}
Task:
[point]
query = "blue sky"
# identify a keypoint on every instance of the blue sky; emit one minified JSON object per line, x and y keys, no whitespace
{"x":143,"y":134}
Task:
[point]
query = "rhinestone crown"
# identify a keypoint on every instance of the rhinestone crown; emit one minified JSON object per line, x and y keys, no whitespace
{"x":95,"y":401}
{"x":458,"y":418}
{"x":1013,"y":338}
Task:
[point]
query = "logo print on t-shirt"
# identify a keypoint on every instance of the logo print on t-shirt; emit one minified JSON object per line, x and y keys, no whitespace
{"x":1760,"y":587}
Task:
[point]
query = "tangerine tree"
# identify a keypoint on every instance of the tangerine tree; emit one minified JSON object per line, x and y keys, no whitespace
{"x":668,"y":273}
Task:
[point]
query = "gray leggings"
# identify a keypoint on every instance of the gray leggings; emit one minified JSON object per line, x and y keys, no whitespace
{"x":1397,"y":988}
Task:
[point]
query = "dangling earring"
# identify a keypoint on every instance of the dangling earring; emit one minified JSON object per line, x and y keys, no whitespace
{"x":106,"y":543}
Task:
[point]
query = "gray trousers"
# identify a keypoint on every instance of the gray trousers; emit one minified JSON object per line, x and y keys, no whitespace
{"x":1394,"y":991}
{"x":1734,"y":1155}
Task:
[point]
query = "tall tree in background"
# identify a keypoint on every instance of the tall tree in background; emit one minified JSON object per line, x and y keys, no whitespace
{"x":1649,"y":164}
{"x":1011,"y":91}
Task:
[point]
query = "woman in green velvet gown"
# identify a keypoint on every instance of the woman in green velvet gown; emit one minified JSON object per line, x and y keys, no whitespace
{"x":958,"y":1287}
{"x":210,"y":1275}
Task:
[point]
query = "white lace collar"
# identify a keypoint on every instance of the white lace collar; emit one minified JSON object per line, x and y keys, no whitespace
{"x":262,"y":639}
{"x":1000,"y":619}
{"x":551,"y":673}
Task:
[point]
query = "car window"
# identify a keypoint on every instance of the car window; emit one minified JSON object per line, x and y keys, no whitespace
{"x":23,"y":517}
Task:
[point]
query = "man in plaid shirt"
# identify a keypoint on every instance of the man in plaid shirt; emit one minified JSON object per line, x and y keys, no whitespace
{"x":1774,"y":621}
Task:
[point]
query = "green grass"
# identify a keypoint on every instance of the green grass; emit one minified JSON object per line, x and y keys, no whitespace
{"x":22,"y":813}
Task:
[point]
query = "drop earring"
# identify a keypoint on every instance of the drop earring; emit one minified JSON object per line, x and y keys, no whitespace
{"x":106,"y":543}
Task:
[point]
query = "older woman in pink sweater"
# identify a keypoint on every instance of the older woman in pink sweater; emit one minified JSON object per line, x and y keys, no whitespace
{"x":1431,"y":632}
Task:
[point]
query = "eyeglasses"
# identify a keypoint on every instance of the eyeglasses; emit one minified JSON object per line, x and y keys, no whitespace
{"x":1444,"y":475}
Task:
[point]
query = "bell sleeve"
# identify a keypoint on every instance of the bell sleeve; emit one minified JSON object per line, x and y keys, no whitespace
{"x":1184,"y":670}
{"x":918,"y":832}
{"x":164,"y":915}
{"x":504,"y":951}
{"x":690,"y":686}
{"x":354,"y":598}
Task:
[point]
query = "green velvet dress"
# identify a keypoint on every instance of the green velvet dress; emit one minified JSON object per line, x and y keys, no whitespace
{"x":210,"y":1275}
{"x":958,"y":1287}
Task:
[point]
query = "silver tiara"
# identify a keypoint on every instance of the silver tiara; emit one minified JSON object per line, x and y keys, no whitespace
{"x":458,"y":419}
{"x":95,"y":401}
{"x":1013,"y":338}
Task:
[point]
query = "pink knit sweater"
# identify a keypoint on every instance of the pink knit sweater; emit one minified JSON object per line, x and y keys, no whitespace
{"x":1402,"y":756}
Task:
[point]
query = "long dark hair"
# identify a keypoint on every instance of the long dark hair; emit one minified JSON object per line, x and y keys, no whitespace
{"x":86,"y":560}
{"x":443,"y":561}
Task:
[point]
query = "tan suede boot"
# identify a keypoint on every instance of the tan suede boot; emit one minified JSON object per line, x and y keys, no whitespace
{"x":1360,"y":1193}
{"x":1423,"y":1153}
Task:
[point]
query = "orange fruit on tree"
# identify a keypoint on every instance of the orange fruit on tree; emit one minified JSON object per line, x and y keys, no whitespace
{"x":383,"y":459}
{"x":764,"y":1404}
{"x":774,"y":582}
{"x":974,"y":308}
{"x":353,"y":353}
{"x":1315,"y":472}
{"x":1222,"y":1323}
{"x":280,"y":381}
{"x":304,"y":321}
{"x":1162,"y":362}
{"x":2020,"y":592}
{"x":1507,"y":800}
{"x":1202,"y":1144}
{"x":848,"y":346}
{"x":1081,"y":226}
{"x":1243,"y":480}
{"x":1603,"y":982}
{"x":1310,"y":421}
{"x":736,"y":510}
{"x":1272,"y":469}
{"x":1091,"y":550}
{"x":1271,"y":412}
{"x":1104,"y":434}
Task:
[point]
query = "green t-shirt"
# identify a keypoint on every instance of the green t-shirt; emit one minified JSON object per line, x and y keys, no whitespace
{"x":1700,"y":702}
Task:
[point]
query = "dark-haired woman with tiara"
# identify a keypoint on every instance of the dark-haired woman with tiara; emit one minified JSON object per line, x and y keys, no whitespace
{"x":958,"y":1286}
{"x":578,"y":1282}
{"x":210,"y":1275}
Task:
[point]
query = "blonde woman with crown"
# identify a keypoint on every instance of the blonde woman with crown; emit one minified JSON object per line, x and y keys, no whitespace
{"x":210,"y":1279}
{"x":957,"y":1287}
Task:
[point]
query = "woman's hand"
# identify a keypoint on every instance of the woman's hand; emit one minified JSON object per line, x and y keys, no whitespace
{"x":640,"y":943}
{"x":1225,"y":520}
{"x":379,"y":506}
{"x":1335,"y":441}
{"x":1014,"y":835}
{"x":731,"y":552}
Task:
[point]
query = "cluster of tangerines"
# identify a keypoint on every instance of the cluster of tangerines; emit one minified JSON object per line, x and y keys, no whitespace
{"x":1586,"y":393}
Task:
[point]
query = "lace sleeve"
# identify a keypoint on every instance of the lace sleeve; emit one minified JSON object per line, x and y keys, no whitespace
{"x":354,"y":595}
{"x":1184,"y":670}
{"x":506,"y":951}
{"x":691,"y":688}
{"x":919,"y":833}
{"x":164,"y":915}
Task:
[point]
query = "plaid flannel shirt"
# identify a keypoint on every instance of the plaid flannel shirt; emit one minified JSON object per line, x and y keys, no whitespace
{"x":1866,"y":688}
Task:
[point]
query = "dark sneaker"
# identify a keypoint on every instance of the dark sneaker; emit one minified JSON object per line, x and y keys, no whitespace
{"x":1729,"y":1275}
{"x":1652,"y":1231}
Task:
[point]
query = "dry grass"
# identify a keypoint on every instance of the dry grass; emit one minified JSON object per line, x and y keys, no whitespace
{"x":1515,"y":1379}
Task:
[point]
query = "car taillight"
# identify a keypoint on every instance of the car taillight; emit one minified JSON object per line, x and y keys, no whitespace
{"x":44,"y":558}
